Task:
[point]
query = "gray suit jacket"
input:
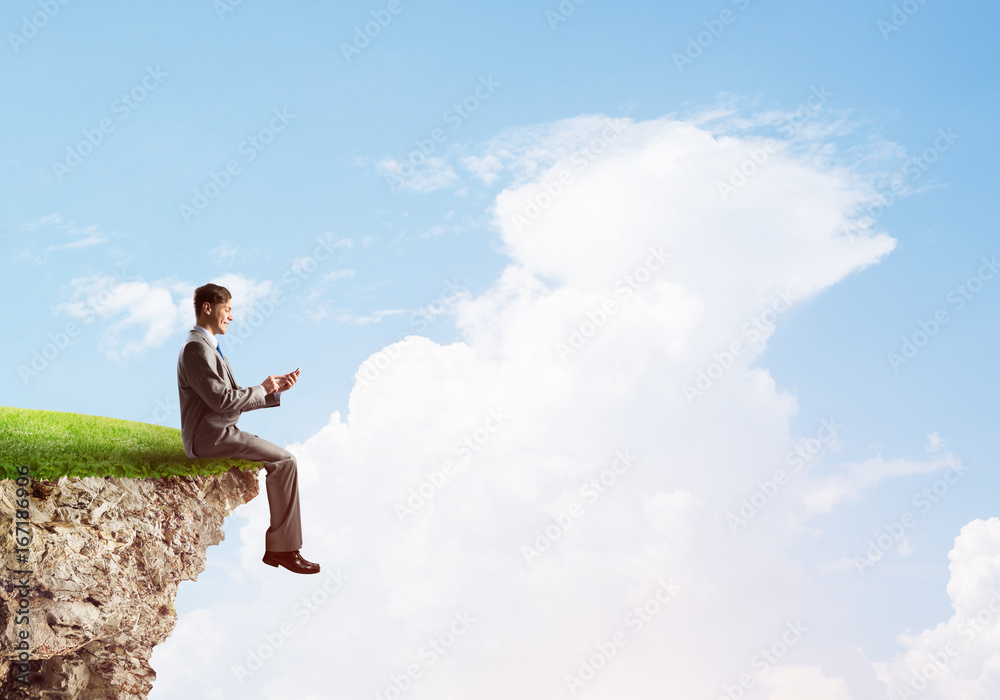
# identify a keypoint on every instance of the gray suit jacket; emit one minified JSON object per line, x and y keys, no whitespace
{"x":211,"y":401}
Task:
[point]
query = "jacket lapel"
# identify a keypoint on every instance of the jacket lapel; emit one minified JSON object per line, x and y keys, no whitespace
{"x":225,"y":361}
{"x":229,"y":371}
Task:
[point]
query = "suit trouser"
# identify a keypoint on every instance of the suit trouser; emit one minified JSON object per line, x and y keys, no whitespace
{"x":285,"y":532}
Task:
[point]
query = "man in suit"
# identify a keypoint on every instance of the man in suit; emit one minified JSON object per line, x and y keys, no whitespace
{"x":211,"y":403}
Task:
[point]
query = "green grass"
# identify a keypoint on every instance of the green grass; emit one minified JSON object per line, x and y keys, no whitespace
{"x":53,"y":444}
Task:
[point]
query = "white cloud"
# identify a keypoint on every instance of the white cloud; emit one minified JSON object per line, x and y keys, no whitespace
{"x":801,"y":682}
{"x":196,"y":628}
{"x":317,"y":291}
{"x":486,"y":168}
{"x":80,"y":237}
{"x":433,"y":231}
{"x":856,"y":478}
{"x":340,"y":315}
{"x":500,"y":443}
{"x":433,"y":174}
{"x":934,"y":442}
{"x":50,"y":219}
{"x":339,"y":242}
{"x":838,"y":565}
{"x":223,"y":254}
{"x":246,"y":292}
{"x":959,"y":657}
{"x":420,"y":318}
{"x":91,"y":239}
{"x":140,"y":315}
{"x":339,"y":275}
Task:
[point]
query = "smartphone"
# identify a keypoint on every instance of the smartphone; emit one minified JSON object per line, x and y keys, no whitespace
{"x":293,"y":372}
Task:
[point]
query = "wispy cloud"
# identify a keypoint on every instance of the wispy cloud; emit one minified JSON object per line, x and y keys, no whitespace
{"x":434,"y":174}
{"x":855,"y":478}
{"x":52,"y":227}
{"x":328,"y":311}
{"x":487,"y":168}
{"x":319,"y":289}
{"x":223,"y":254}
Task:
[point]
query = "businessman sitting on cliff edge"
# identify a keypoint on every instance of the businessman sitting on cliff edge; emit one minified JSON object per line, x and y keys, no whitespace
{"x":211,"y":403}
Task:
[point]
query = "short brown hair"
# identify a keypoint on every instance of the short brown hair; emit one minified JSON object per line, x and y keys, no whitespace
{"x":211,"y":293}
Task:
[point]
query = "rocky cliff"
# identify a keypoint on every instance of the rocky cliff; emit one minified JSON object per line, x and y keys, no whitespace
{"x":105,"y":556}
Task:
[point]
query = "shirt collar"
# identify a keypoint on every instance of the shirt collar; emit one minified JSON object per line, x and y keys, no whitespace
{"x":209,"y":333}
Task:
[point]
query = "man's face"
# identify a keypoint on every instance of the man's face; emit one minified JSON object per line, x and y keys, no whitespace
{"x":219,"y":317}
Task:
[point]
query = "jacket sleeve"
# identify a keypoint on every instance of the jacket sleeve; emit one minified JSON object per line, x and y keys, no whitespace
{"x":270,"y":401}
{"x":203,"y":376}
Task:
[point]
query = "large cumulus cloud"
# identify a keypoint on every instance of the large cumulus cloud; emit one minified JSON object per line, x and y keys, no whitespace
{"x":539,"y":510}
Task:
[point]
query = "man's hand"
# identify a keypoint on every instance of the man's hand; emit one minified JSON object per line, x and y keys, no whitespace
{"x":280,"y":382}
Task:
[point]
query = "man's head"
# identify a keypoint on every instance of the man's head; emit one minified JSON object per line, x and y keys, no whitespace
{"x":212,"y":308}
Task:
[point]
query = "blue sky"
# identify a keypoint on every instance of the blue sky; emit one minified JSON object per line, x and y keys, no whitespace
{"x":311,"y":133}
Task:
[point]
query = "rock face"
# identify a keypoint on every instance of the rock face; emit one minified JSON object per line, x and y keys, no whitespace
{"x":106,"y":557}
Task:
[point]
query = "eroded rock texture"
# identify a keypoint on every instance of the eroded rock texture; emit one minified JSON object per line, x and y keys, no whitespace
{"x":107,"y":555}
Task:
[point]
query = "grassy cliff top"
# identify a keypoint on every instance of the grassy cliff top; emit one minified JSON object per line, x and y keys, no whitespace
{"x":54,"y":444}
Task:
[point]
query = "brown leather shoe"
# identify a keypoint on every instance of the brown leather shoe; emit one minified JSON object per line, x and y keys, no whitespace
{"x":291,"y":561}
